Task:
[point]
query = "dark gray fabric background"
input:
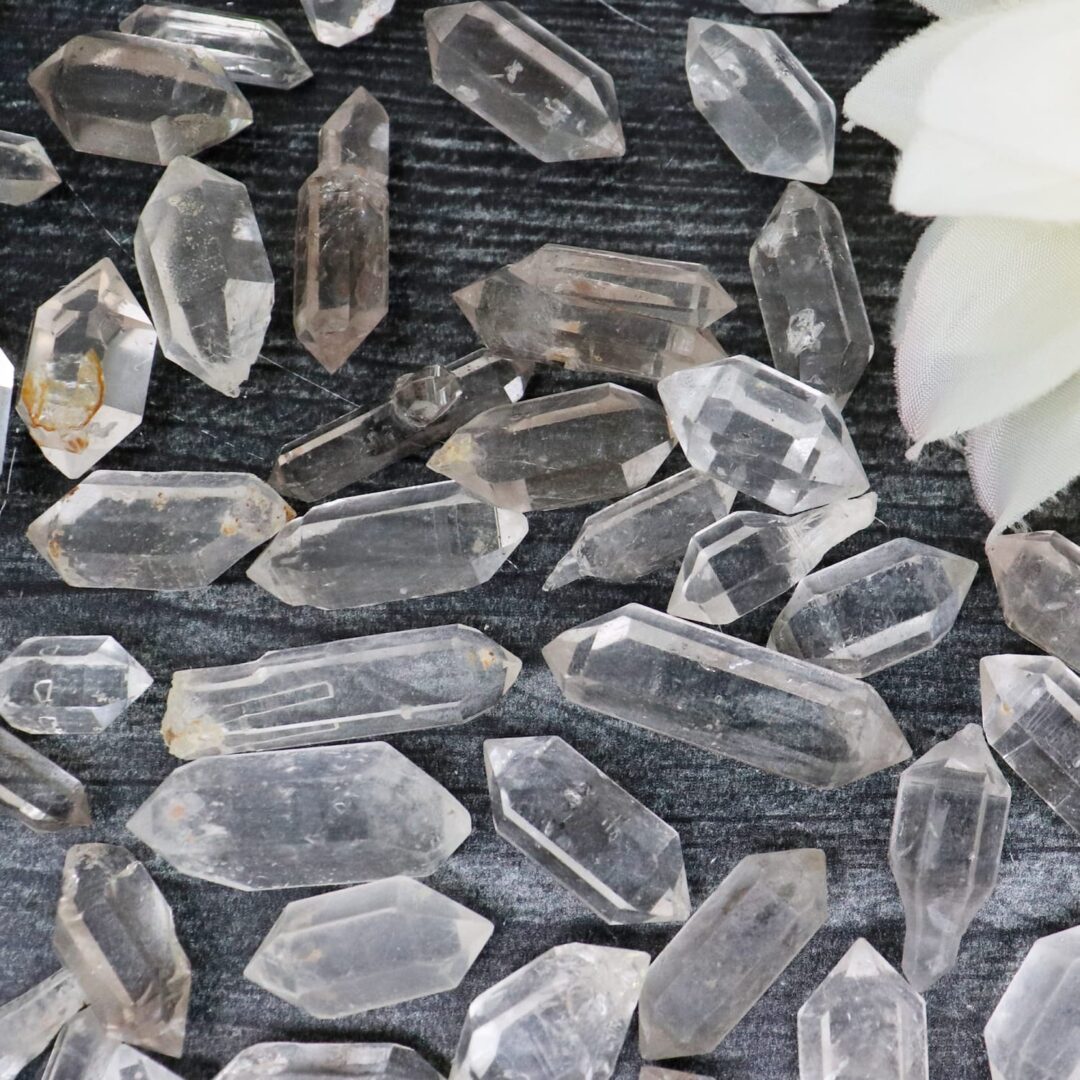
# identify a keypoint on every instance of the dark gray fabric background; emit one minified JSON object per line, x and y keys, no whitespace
{"x":464,"y":199}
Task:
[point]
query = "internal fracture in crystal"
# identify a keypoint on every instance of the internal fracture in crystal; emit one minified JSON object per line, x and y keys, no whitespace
{"x":338,"y":22}
{"x":84,"y":1051}
{"x":324,"y":1061}
{"x":26,"y":173}
{"x":30,"y":1022}
{"x":36,"y":791}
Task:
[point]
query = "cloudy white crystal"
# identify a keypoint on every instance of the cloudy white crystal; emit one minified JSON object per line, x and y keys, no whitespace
{"x":84,"y":1051}
{"x":29,"y":1022}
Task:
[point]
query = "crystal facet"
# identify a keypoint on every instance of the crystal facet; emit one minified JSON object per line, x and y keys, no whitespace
{"x":792,"y":7}
{"x":564,"y":1014}
{"x":948,"y":828}
{"x":524,"y":81}
{"x":363,"y":948}
{"x":358,"y":133}
{"x":87,"y":370}
{"x":36,"y":792}
{"x":294,"y":818}
{"x":337,"y":22}
{"x":328,"y":1061}
{"x":205,"y":273}
{"x":26,"y":173}
{"x":114,"y":931}
{"x":146,"y":530}
{"x":727,"y":696}
{"x":84,"y":1051}
{"x":7,"y":391}
{"x":136,"y":98}
{"x":29,"y":1022}
{"x":735,"y":946}
{"x":764,"y":433}
{"x":761,"y":101}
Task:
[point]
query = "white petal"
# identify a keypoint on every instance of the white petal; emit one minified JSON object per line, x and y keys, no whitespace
{"x":955,"y":9}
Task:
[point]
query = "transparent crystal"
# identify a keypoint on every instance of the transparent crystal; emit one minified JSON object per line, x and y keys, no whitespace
{"x":654,"y":1072}
{"x":727,"y":696}
{"x":737,"y":944}
{"x":85,"y":1052}
{"x":136,"y":98}
{"x":524,"y":81}
{"x":87,"y":370}
{"x":36,"y":792}
{"x":761,"y":101}
{"x":26,"y":173}
{"x":205,"y":273}
{"x":350,"y":689}
{"x":323,"y":1061}
{"x":564,"y":1014}
{"x":809,"y":294}
{"x":749,"y":558}
{"x":863,"y":1023}
{"x":29,"y":1022}
{"x":951,"y":811}
{"x":295,"y":818}
{"x":792,"y":7}
{"x":764,"y":433}
{"x":114,"y":931}
{"x":148,"y":530}
{"x":337,"y":22}
{"x":593,"y":837}
{"x":390,"y":545}
{"x":7,"y":391}
{"x":363,"y":948}
{"x":418,"y":399}
{"x":358,"y":133}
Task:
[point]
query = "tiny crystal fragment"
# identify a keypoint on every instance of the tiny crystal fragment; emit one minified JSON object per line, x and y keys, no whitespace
{"x":654,"y":1072}
{"x":30,"y":1022}
{"x":792,"y":7}
{"x":524,"y":81}
{"x":36,"y":792}
{"x":564,"y":1014}
{"x":337,"y":22}
{"x":328,"y":1061}
{"x":737,"y":944}
{"x":948,"y":828}
{"x":84,"y":1051}
{"x":7,"y":391}
{"x":293,"y":818}
{"x":26,"y":173}
{"x":358,"y":134}
{"x":761,"y":101}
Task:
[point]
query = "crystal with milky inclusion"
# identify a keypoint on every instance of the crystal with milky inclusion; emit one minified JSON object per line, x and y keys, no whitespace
{"x":653,"y":1072}
{"x":761,"y":101}
{"x":36,"y":792}
{"x":337,"y":22}
{"x":949,"y":824}
{"x":323,"y":1061}
{"x":84,"y":1051}
{"x":749,"y":558}
{"x":363,"y":948}
{"x":137,"y":98}
{"x":764,"y":433}
{"x":295,"y":818}
{"x":809,"y":294}
{"x":524,"y":81}
{"x":564,"y":1014}
{"x":29,"y":1022}
{"x":792,"y":7}
{"x":205,"y":272}
{"x":643,"y":532}
{"x":251,"y":50}
{"x":87,"y":370}
{"x":147,"y":530}
{"x":727,"y":696}
{"x":735,"y":946}
{"x":7,"y":390}
{"x":389,"y":545}
{"x":26,"y":173}
{"x":548,"y":453}
{"x":114,"y":931}
{"x":351,"y":689}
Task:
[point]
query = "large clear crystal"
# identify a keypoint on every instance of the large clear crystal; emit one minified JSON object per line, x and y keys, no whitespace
{"x":727,"y":696}
{"x":26,"y":173}
{"x":524,"y":81}
{"x":7,"y":391}
{"x":338,"y":22}
{"x":84,"y":1051}
{"x":87,"y":370}
{"x":328,"y":1061}
{"x":295,"y":818}
{"x":951,"y":811}
{"x":36,"y":792}
{"x":30,"y":1022}
{"x":358,"y":133}
{"x":735,"y":946}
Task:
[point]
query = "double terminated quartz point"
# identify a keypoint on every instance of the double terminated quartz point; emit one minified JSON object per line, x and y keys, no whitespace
{"x":315,"y":1061}
{"x":26,"y":173}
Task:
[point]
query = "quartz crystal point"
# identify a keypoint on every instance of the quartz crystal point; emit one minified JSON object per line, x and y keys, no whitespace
{"x":205,"y":273}
{"x":875,"y":609}
{"x":351,"y":689}
{"x":749,"y":558}
{"x":646,"y":531}
{"x":767,"y":435}
{"x":594,"y":838}
{"x":761,"y":101}
{"x":36,"y":792}
{"x":524,"y":81}
{"x":87,"y":370}
{"x":114,"y":931}
{"x":328,"y":1061}
{"x":727,"y":696}
{"x":296,"y":818}
{"x":366,"y":947}
{"x":7,"y":391}
{"x":251,"y":50}
{"x":653,"y":1072}
{"x":735,"y":946}
{"x":26,"y":173}
{"x":547,"y":453}
{"x":564,"y":1014}
{"x":389,"y":545}
{"x":948,"y":828}
{"x":137,"y":98}
{"x":147,"y":530}
{"x":85,"y":1052}
{"x":29,"y":1022}
{"x":423,"y":408}
{"x":337,"y":22}
{"x":809,"y":294}
{"x":358,"y":134}
{"x":863,"y":1023}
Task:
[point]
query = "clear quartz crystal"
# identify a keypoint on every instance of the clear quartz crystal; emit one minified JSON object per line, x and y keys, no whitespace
{"x":328,"y":1061}
{"x":358,"y":133}
{"x":339,"y":22}
{"x":654,"y":1072}
{"x":353,"y":950}
{"x":7,"y":391}
{"x":727,"y":696}
{"x":792,"y":7}
{"x":592,"y":836}
{"x":36,"y":792}
{"x":84,"y":1051}
{"x":949,"y":824}
{"x":29,"y":1022}
{"x":524,"y":81}
{"x":26,"y":173}
{"x":735,"y":946}
{"x":87,"y":370}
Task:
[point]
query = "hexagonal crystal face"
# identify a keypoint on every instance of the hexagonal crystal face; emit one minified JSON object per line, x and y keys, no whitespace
{"x":358,"y":133}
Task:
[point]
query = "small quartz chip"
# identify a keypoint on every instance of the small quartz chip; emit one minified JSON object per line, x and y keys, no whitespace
{"x":328,"y":1061}
{"x":26,"y":173}
{"x":37,"y":792}
{"x":30,"y":1022}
